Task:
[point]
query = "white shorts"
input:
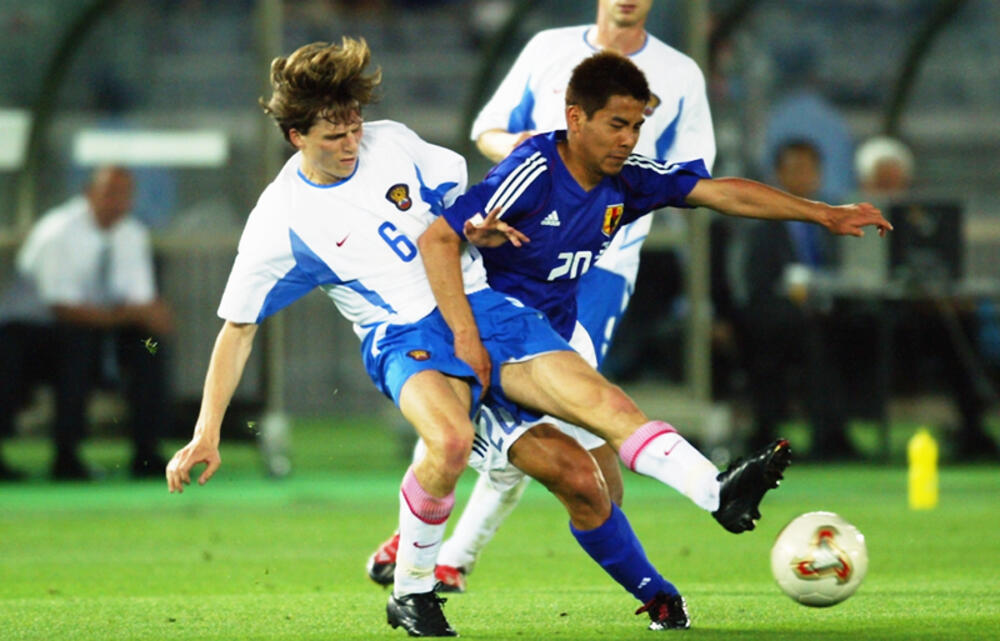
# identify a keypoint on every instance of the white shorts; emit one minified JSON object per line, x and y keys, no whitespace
{"x":495,"y":432}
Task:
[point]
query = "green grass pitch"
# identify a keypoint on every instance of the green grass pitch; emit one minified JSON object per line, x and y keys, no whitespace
{"x":249,"y":558}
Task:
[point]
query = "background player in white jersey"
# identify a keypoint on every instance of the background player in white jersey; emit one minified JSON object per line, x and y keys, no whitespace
{"x":531,"y":99}
{"x":341,"y":216}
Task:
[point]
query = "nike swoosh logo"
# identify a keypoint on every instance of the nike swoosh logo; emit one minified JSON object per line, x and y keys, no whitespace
{"x":343,"y":241}
{"x":667,"y":453}
{"x":423,"y":547}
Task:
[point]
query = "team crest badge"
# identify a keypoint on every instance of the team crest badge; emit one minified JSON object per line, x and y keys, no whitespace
{"x":612,"y":216}
{"x":654,"y":102}
{"x":825,"y":558}
{"x":419,"y":354}
{"x":399,"y":195}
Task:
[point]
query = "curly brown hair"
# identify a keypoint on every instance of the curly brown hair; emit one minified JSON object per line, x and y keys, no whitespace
{"x":601,"y":76}
{"x":320,"y":80}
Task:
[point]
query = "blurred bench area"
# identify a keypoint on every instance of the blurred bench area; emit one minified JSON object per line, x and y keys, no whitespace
{"x":170,"y":87}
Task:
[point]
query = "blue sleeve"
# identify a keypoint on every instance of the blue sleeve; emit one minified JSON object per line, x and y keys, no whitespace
{"x":650,"y":184}
{"x":518,"y":185}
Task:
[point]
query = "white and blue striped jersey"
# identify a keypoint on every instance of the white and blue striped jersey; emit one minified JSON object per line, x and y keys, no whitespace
{"x":569,"y":227}
{"x":678,"y":123}
{"x":354,"y":239}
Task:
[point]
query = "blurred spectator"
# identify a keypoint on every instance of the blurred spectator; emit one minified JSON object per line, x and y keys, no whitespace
{"x":884,"y":167}
{"x":780,"y":333}
{"x":804,"y":113}
{"x":83,"y":312}
{"x":933,"y":339}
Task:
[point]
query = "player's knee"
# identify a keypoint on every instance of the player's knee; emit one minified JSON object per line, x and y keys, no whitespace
{"x":580,"y":484}
{"x":451,"y":450}
{"x":616,"y":400}
{"x":586,"y":492}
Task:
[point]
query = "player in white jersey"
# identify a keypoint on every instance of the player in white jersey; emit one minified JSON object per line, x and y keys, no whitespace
{"x":531,"y":99}
{"x":343,"y":215}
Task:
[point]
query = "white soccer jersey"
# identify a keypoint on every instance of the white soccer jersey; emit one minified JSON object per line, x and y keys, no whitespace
{"x":355,"y":239}
{"x":678,"y":123}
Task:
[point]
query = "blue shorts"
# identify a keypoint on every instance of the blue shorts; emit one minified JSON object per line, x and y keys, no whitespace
{"x":500,"y":423}
{"x":510,"y":332}
{"x":601,"y":302}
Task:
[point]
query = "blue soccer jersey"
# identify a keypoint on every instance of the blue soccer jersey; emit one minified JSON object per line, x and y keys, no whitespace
{"x":569,"y":227}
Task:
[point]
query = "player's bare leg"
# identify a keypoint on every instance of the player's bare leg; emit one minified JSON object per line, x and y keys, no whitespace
{"x":487,"y":508}
{"x":565,"y":469}
{"x":437,"y":406}
{"x":607,"y":459}
{"x":570,"y":472}
{"x":564,"y":385}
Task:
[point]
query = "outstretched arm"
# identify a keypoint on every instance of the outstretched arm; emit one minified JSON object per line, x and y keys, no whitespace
{"x":440,"y":248}
{"x":229,"y":357}
{"x":751,"y":199}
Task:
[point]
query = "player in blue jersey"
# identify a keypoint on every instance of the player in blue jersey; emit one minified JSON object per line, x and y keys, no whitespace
{"x":531,"y":99}
{"x":343,"y":215}
{"x":588,"y":179}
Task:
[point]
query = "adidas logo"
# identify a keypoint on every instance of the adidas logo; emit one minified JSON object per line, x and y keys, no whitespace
{"x":552,"y":220}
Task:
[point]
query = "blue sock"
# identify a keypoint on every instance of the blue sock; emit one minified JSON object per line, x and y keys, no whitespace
{"x":616,"y":549}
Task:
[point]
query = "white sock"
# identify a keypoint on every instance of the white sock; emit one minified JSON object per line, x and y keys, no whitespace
{"x":658,"y":451}
{"x":422,"y":521}
{"x":486,"y":509}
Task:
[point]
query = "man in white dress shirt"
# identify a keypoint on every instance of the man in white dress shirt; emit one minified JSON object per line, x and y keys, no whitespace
{"x":84,"y":309}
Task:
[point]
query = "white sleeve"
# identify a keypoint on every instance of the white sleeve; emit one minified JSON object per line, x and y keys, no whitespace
{"x":443,"y":173}
{"x":695,"y":135}
{"x":495,"y":114}
{"x":264,"y":260}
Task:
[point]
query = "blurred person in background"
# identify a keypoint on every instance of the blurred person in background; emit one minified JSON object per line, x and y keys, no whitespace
{"x":935,"y":339}
{"x":884,"y":167}
{"x":531,"y":99}
{"x":781,"y":331}
{"x":83,"y":312}
{"x":803,"y":112}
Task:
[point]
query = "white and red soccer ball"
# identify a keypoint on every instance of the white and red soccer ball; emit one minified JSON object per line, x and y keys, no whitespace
{"x":819,"y":559}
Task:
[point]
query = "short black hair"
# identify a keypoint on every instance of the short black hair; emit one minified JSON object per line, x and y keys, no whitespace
{"x":797,"y":144}
{"x":603,"y":75}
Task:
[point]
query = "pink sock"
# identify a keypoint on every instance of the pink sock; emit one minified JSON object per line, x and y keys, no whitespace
{"x":425,"y":507}
{"x":658,"y":451}
{"x":422,"y":521}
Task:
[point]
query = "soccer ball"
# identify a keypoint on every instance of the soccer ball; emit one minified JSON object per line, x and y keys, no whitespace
{"x":819,"y":559}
